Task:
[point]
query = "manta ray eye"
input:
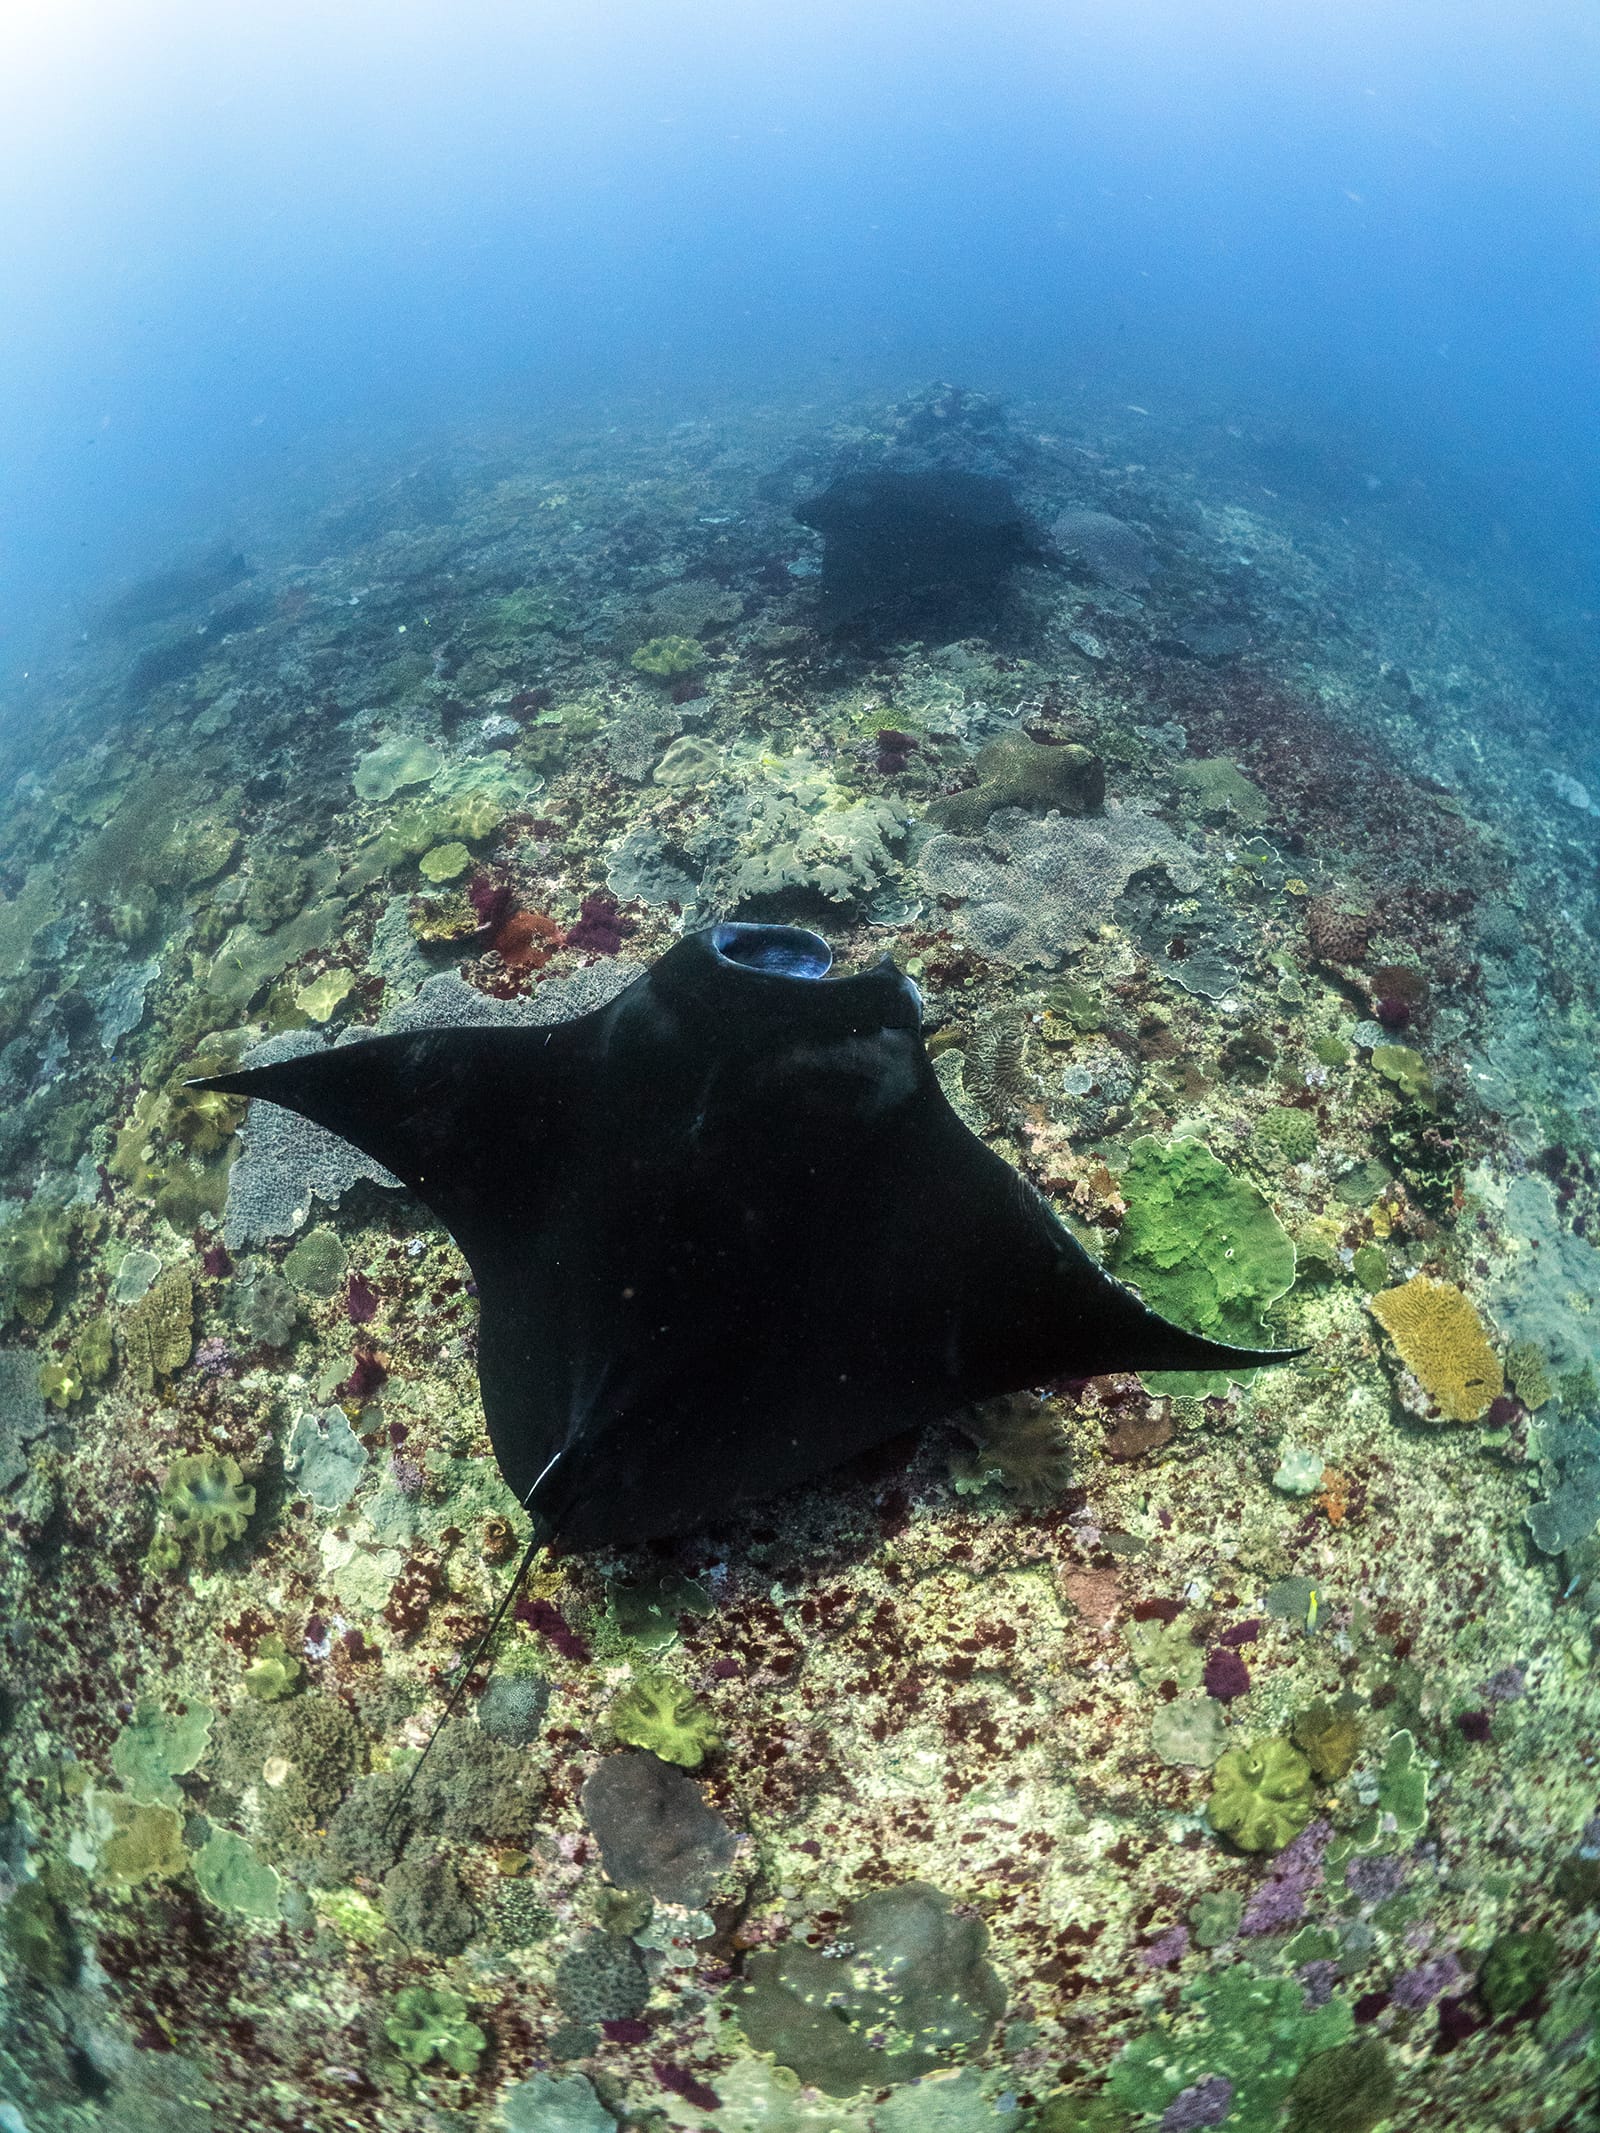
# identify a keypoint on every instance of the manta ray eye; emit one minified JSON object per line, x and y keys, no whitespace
{"x":786,"y":951}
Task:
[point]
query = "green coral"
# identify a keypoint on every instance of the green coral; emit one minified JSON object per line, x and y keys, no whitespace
{"x":1400,"y":1814}
{"x":428,"y":2024}
{"x":206,"y":1503}
{"x":231,"y":1876}
{"x":657,"y":1713}
{"x":273,"y":1673}
{"x":1261,"y":1795}
{"x":38,"y":1936}
{"x":1284,"y":1134}
{"x":1255,"y":2032}
{"x":1370,"y":1266}
{"x":916,"y":1994}
{"x":1203,"y":1248}
{"x":1516,"y":1970}
{"x":153,"y":1749}
{"x":446,"y":862}
{"x":158,"y":1330}
{"x":668,"y":658}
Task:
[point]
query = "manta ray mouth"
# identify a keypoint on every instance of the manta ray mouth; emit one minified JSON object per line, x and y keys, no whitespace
{"x":781,"y":951}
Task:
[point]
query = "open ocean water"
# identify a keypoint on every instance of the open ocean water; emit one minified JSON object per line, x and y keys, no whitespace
{"x":523,"y":533}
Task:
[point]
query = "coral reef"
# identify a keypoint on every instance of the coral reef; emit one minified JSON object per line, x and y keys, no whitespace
{"x":1247,"y":1725}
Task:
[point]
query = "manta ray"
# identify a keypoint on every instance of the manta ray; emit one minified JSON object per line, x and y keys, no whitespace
{"x":726,"y":1231}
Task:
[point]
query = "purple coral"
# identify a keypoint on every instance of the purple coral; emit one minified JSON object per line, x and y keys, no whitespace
{"x":1280,"y":1901}
{"x":1375,"y":1877}
{"x":1207,"y":2103}
{"x":1422,"y":1986}
{"x":214,"y":1358}
{"x":1226,"y":1675}
{"x":1319,"y":1978}
{"x":1171,"y":1947}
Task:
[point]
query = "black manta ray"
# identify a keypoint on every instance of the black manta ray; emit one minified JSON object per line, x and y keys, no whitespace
{"x":891,"y":538}
{"x":726,"y":1232}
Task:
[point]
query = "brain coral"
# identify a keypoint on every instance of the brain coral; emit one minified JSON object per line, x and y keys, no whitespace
{"x":1032,"y":889}
{"x":1442,"y":1342}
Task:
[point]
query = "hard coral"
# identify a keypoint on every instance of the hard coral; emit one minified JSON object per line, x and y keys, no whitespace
{"x":1336,"y":935}
{"x":655,"y":1830}
{"x":1015,"y":771}
{"x":917,"y":1993}
{"x":1261,"y":1795}
{"x":601,"y":1978}
{"x":1442,"y":1342}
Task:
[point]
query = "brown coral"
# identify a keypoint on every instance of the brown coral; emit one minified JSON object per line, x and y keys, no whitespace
{"x":1442,"y":1342}
{"x":1337,"y":936}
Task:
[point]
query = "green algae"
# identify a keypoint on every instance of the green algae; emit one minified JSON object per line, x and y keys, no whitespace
{"x":1347,"y":2090}
{"x":1203,"y":1248}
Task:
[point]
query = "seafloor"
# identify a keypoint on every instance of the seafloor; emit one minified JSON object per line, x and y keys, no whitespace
{"x":1176,"y":1755}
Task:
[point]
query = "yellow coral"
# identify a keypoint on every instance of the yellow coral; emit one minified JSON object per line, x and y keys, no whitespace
{"x":1442,"y":1342}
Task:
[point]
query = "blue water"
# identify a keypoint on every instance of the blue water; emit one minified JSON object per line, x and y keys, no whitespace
{"x":240,"y":248}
